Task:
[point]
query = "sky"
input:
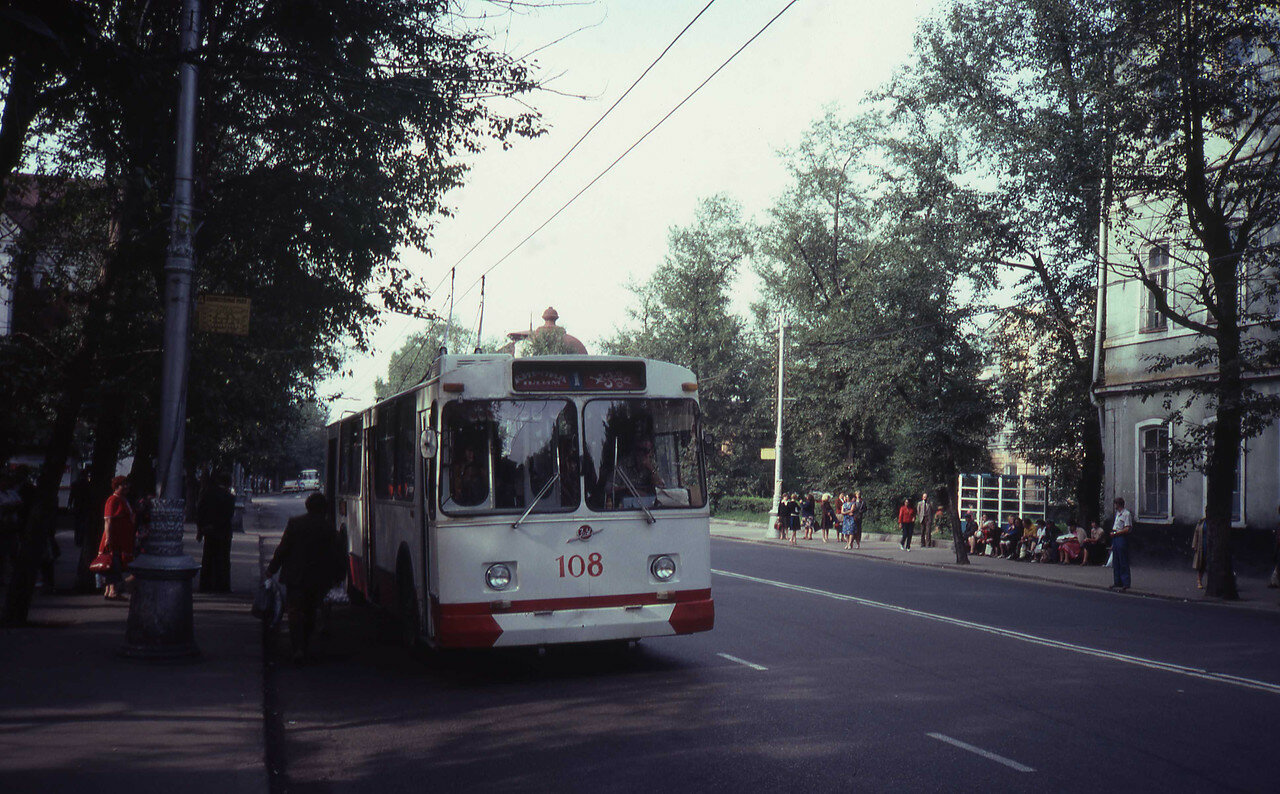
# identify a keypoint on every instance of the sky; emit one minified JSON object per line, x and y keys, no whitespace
{"x":726,"y":139}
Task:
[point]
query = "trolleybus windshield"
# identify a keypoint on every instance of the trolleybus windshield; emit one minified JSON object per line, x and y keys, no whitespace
{"x":642,"y":453}
{"x":502,"y":456}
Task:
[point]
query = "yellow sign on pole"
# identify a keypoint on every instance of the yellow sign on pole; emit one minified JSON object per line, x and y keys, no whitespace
{"x":222,"y":314}
{"x":768,"y":453}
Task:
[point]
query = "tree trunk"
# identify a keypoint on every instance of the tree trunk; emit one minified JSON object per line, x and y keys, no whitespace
{"x":953,"y":515}
{"x":21,"y":103}
{"x":1221,"y":471}
{"x":143,"y":472}
{"x":1092,"y":464}
{"x":34,"y":537}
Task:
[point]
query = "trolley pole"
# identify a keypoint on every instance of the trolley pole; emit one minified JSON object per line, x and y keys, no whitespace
{"x":777,"y":442}
{"x":160,"y":622}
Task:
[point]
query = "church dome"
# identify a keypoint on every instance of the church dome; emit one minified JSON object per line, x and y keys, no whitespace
{"x":572,"y":343}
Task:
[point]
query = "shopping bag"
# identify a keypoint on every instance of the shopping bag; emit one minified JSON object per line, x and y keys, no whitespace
{"x":337,"y":594}
{"x":1110,"y":557}
{"x":268,"y":605}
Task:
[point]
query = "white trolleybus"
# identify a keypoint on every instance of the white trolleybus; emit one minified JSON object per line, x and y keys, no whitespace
{"x":529,"y":501}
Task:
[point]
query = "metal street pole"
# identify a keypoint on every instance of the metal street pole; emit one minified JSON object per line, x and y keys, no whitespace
{"x":160,"y":624}
{"x":777,"y":443}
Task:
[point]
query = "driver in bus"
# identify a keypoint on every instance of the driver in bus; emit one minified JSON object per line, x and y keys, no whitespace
{"x":467,"y":485}
{"x":640,"y":467}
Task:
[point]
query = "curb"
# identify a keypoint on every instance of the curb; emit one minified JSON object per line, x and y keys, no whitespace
{"x":1254,"y":606}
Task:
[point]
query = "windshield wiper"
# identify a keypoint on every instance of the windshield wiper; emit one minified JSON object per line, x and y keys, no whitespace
{"x":632,"y":488}
{"x":537,"y":499}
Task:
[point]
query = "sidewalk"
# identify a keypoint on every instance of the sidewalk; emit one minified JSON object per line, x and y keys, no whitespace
{"x":75,"y":716}
{"x":1160,"y":582}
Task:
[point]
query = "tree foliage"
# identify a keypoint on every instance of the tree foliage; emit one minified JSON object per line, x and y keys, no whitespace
{"x":1022,"y":85}
{"x":409,"y":364}
{"x":865,"y":256}
{"x":684,"y":314}
{"x":329,"y":132}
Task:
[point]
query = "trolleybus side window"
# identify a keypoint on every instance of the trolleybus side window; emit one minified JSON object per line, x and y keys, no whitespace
{"x":349,"y":457}
{"x":642,"y":452}
{"x":394,"y":450}
{"x":505,"y":455}
{"x":406,"y":447}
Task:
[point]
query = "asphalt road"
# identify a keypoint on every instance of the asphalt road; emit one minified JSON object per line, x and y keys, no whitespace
{"x":823,"y":672}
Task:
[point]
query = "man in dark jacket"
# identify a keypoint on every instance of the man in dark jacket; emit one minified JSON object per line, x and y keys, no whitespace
{"x":305,"y":559}
{"x":214,"y":513}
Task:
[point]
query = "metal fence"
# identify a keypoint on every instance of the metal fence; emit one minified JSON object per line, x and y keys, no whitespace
{"x":999,"y":495}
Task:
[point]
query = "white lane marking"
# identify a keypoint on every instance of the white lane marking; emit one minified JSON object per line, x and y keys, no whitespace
{"x":1168,"y":667}
{"x":990,"y":756}
{"x":752,"y":665}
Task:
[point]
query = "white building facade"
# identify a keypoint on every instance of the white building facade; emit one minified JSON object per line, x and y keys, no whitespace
{"x":1137,"y":401}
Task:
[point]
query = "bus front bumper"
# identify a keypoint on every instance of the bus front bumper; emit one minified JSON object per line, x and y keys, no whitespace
{"x":556,"y":621}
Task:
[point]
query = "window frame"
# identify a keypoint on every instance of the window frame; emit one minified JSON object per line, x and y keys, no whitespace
{"x":350,"y":452}
{"x":488,"y":508}
{"x":1150,"y":320}
{"x":391,"y":440}
{"x":1139,"y":478}
{"x":701,"y":472}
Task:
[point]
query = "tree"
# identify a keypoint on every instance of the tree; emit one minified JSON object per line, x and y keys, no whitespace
{"x":1197,"y":104}
{"x":330,"y":132}
{"x":1023,"y":86}
{"x":684,"y":315}
{"x":546,"y":341}
{"x":409,"y":364}
{"x":866,"y":255}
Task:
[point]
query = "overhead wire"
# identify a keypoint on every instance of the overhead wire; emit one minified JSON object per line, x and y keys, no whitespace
{"x":584,"y":135}
{"x":422,"y":343}
{"x":435,"y":290}
{"x":632,"y":147}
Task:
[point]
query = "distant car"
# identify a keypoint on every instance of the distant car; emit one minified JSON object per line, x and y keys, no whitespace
{"x":290,"y":486}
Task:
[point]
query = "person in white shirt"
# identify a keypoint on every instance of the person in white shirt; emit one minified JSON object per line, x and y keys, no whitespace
{"x":1120,"y":532}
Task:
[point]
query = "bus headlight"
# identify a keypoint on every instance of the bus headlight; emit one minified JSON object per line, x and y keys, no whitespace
{"x":663,"y":568}
{"x":498,"y":577}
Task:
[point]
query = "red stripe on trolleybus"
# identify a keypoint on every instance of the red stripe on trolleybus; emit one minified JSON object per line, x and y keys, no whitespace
{"x":692,"y":616}
{"x":355,"y":567}
{"x":460,"y":629}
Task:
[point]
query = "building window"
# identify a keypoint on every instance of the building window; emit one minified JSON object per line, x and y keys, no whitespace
{"x":1259,"y":281}
{"x":1158,"y":271}
{"x":1154,"y":483}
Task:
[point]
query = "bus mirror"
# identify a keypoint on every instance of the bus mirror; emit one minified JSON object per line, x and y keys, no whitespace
{"x":427,"y":443}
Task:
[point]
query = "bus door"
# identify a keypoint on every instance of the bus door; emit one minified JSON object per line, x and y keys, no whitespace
{"x":428,"y":447}
{"x":331,"y":476}
{"x":366,"y":509}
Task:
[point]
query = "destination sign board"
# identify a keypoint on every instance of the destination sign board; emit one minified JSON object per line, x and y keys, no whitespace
{"x":555,"y":376}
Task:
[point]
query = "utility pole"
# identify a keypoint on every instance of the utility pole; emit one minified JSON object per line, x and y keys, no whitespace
{"x":160,"y":613}
{"x":777,"y":442}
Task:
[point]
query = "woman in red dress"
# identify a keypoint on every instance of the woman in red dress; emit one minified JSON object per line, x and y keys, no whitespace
{"x":117,"y":536}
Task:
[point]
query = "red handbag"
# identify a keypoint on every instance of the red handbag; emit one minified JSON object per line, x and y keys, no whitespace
{"x":101,"y":563}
